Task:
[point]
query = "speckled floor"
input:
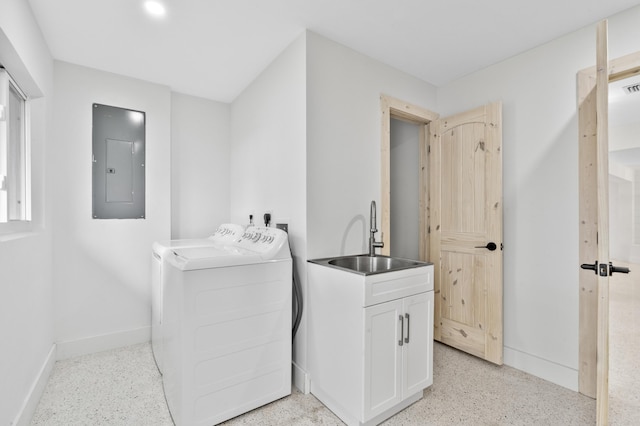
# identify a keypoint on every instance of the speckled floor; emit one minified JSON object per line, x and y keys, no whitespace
{"x":123,"y":387}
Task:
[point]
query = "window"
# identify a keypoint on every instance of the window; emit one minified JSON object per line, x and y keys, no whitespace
{"x":15,"y":206}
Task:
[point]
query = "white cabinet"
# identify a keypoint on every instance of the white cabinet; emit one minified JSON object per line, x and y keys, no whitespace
{"x":398,"y":348}
{"x":370,"y":340}
{"x":417,"y":354}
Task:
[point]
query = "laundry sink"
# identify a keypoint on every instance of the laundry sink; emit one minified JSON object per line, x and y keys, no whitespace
{"x":367,"y":265}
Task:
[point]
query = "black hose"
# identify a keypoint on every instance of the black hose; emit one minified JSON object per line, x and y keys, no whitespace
{"x":297,"y":293}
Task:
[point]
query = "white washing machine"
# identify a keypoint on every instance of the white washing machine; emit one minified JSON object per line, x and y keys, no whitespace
{"x":227,"y":327}
{"x":226,"y":233}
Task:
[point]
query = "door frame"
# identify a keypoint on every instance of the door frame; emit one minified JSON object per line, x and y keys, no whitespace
{"x":618,"y":69}
{"x":391,"y":107}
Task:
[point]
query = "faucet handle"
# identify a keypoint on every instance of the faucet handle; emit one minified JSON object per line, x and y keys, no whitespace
{"x":379,"y":244}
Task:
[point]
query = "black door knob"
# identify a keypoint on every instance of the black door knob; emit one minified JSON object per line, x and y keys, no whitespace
{"x":490,"y":246}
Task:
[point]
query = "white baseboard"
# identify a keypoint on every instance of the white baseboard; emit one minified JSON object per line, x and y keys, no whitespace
{"x":32,"y":399}
{"x":550,"y":371}
{"x":103,"y":342}
{"x":301,"y":379}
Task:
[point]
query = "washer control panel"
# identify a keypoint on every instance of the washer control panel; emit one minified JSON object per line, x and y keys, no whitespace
{"x":228,"y":232}
{"x":265,"y":240}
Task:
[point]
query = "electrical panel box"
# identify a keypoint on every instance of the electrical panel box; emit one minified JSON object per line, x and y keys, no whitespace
{"x":118,"y":163}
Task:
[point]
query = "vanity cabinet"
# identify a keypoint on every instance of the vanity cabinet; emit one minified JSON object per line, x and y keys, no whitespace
{"x":370,"y":340}
{"x":398,"y":347}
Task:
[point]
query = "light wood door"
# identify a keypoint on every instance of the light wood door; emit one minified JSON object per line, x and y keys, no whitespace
{"x":593,"y":107}
{"x":602,"y":161}
{"x":465,"y":161}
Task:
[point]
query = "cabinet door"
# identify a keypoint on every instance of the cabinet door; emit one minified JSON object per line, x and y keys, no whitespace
{"x":382,"y":357}
{"x":418,"y":343}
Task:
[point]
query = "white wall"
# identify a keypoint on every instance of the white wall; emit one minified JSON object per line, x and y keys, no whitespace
{"x":624,"y":192}
{"x":268,"y":144}
{"x":538,"y":91}
{"x":102,"y":267}
{"x":268,"y":122}
{"x":200,"y":150}
{"x":405,"y":189}
{"x":624,"y":136}
{"x":343,"y":141}
{"x":26,"y":302}
{"x":620,"y":218}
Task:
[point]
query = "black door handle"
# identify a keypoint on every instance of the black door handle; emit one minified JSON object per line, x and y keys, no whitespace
{"x":594,"y":267}
{"x":490,"y":246}
{"x":591,"y":266}
{"x":619,"y":269}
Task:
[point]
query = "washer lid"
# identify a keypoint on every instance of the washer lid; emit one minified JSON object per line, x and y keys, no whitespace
{"x":163,"y":247}
{"x":227,"y":233}
{"x":192,"y":258}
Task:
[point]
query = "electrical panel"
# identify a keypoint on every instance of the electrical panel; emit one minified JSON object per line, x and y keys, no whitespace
{"x":118,"y":163}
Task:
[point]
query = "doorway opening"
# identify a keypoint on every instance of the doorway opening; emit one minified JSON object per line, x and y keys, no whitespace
{"x":624,"y":250}
{"x":405,"y":189}
{"x":404,"y":113}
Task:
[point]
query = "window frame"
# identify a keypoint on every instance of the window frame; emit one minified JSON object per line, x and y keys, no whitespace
{"x":24,"y":224}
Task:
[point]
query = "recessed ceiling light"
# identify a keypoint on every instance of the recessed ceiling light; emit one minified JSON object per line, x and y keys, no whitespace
{"x":155,"y":8}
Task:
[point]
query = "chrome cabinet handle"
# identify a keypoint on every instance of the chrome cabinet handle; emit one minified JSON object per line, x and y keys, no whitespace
{"x":401,"y":318}
{"x":406,"y":339}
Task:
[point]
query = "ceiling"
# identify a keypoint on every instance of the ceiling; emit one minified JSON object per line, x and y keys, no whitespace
{"x":215,"y":48}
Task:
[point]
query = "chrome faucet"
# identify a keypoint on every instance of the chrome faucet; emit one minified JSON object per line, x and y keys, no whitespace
{"x":373,"y":244}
